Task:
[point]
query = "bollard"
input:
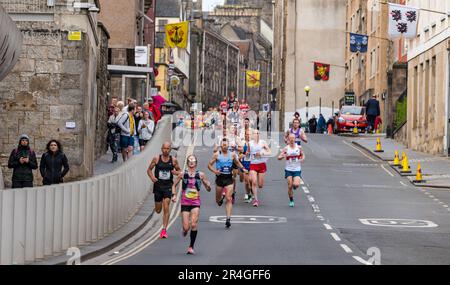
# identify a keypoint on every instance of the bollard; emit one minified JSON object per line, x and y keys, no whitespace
{"x":355,"y":128}
{"x":396,"y":160}
{"x":378,"y":148}
{"x":406,"y":168}
{"x":419,"y":178}
{"x":330,"y":129}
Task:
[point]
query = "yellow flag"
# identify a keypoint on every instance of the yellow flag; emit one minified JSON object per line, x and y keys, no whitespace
{"x":177,"y":35}
{"x":253,"y":78}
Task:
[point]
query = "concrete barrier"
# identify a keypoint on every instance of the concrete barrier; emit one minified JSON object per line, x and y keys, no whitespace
{"x":39,"y":222}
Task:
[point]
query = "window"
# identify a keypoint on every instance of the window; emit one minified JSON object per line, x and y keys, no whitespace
{"x":427,"y":92}
{"x":373,"y":62}
{"x":374,"y":19}
{"x":161,"y":25}
{"x":414,"y":103}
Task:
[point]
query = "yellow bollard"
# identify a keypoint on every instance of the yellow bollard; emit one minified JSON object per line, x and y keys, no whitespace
{"x":355,"y":130}
{"x":378,"y":148}
{"x":406,"y":168}
{"x":396,"y":160}
{"x":419,"y":178}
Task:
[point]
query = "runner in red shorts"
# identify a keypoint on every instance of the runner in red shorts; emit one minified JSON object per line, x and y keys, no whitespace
{"x":259,"y":151}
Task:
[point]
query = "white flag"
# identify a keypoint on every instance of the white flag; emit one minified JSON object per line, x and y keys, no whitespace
{"x":403,"y":21}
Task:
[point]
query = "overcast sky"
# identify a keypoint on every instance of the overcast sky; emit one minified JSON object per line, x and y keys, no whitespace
{"x":208,"y":5}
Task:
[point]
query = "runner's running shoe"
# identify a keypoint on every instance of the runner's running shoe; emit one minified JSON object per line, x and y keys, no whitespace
{"x":185,"y":233}
{"x":255,"y":203}
{"x":228,"y":223}
{"x":190,"y":250}
{"x":291,"y":204}
{"x":163,"y":234}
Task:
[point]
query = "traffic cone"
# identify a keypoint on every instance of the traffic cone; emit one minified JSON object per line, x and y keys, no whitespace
{"x":378,"y":148}
{"x":355,"y":130}
{"x":419,"y":178}
{"x":330,"y":129}
{"x":406,"y":168}
{"x":403,"y":160}
{"x":396,"y":160}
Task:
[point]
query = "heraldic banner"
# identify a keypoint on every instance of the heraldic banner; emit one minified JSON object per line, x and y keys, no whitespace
{"x":177,"y":35}
{"x":321,"y":71}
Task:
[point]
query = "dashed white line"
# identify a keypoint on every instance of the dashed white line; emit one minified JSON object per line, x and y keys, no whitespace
{"x":359,"y":259}
{"x":445,"y":206}
{"x":327,"y":226}
{"x":436,"y":200}
{"x":346,"y":248}
{"x":315,"y":208}
{"x":403,"y":183}
{"x":311,"y":199}
{"x":335,"y":236}
{"x":431,"y":196}
{"x":305,"y":189}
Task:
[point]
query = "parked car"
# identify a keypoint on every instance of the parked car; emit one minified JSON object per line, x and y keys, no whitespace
{"x":348,"y":117}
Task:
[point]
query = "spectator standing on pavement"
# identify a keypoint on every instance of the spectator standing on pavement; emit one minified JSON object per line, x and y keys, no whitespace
{"x":54,"y":164}
{"x":146,"y":128}
{"x":372,"y":111}
{"x":22,"y":160}
{"x":321,"y":124}
{"x":113,"y":137}
{"x":128,"y":128}
{"x":112,"y":106}
{"x":155,"y":111}
{"x":129,"y":101}
{"x":312,"y":124}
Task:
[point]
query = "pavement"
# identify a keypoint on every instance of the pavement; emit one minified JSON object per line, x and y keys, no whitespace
{"x":435,"y":169}
{"x":351,"y":210}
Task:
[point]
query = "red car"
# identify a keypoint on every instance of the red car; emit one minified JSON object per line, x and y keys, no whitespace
{"x":348,"y":116}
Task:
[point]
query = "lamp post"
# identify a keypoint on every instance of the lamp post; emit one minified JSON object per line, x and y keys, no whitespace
{"x":307,"y":89}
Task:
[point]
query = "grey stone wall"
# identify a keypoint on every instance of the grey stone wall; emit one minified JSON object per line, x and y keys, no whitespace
{"x":53,"y":83}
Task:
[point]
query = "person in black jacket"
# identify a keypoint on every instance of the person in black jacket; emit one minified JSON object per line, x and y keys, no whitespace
{"x":23,"y":161}
{"x":54,"y":165}
{"x":372,"y":111}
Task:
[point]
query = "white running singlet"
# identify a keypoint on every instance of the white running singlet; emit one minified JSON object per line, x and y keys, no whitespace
{"x":293,"y":156}
{"x":254,"y":148}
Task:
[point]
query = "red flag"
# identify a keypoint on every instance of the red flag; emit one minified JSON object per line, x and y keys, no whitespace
{"x":321,"y":71}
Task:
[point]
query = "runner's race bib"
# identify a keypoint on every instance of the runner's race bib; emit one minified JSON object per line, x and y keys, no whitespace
{"x":164,"y":175}
{"x":191,"y":193}
{"x":225,"y":170}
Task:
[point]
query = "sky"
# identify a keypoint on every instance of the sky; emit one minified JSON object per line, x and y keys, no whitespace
{"x":208,"y":5}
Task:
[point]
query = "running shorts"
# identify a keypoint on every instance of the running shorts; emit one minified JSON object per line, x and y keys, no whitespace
{"x":259,"y":168}
{"x":288,"y":173}
{"x":162,"y":193}
{"x":224,"y":180}
{"x":188,"y":208}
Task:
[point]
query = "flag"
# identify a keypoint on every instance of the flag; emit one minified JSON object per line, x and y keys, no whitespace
{"x":358,"y":43}
{"x":253,"y":78}
{"x":177,"y":35}
{"x":321,"y":71}
{"x":403,"y":21}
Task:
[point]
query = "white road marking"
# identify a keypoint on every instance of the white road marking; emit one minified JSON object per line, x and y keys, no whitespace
{"x":359,"y":259}
{"x":407,"y":223}
{"x":242,"y":219}
{"x":311,"y":199}
{"x":382,"y":166}
{"x":441,"y":203}
{"x":301,"y":182}
{"x":320,"y":217}
{"x":435,"y":199}
{"x":335,"y":236}
{"x":350,"y":145}
{"x":445,"y":206}
{"x":346,"y":248}
{"x":305,"y":189}
{"x":315,"y":208}
{"x":403,"y":183}
{"x":431,"y":196}
{"x":327,"y":226}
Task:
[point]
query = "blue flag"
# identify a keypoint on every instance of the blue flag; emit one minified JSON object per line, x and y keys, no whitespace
{"x":358,"y":43}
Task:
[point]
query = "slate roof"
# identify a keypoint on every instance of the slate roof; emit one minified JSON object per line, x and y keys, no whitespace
{"x":167,"y":8}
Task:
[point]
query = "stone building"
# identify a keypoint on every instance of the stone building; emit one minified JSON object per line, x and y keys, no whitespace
{"x":307,"y":31}
{"x":428,"y":125}
{"x":57,"y":88}
{"x":243,"y":24}
{"x":382,"y":70}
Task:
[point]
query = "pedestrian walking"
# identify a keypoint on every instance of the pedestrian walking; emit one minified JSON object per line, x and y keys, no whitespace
{"x":372,"y":111}
{"x":190,"y":198}
{"x":113,"y":137}
{"x":312,"y":124}
{"x":54,"y":164}
{"x":145,"y":129}
{"x":321,"y":124}
{"x":23,"y":161}
{"x":127,"y":126}
{"x":166,"y":167}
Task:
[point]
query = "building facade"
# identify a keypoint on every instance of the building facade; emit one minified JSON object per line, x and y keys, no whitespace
{"x":428,"y":127}
{"x":305,"y":32}
{"x":53,"y":91}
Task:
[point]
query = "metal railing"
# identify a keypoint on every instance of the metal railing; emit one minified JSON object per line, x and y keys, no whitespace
{"x":45,"y":221}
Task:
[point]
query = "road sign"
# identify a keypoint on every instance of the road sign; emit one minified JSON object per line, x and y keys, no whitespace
{"x":400,"y":223}
{"x":350,"y":98}
{"x":141,"y":55}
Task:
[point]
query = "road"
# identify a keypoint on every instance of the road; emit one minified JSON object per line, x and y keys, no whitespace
{"x":342,"y":186}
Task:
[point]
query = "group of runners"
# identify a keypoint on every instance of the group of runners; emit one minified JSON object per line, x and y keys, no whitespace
{"x":239,"y":151}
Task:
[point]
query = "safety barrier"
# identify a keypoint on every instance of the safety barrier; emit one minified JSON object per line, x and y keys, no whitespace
{"x":39,"y":222}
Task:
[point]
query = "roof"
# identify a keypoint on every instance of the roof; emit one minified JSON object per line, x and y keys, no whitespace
{"x":244,"y":47}
{"x":241,"y":33}
{"x":167,"y":8}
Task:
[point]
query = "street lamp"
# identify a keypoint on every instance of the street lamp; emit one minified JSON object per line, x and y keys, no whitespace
{"x":307,"y":89}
